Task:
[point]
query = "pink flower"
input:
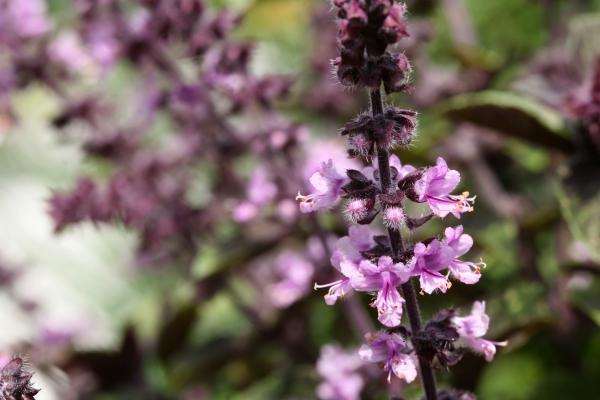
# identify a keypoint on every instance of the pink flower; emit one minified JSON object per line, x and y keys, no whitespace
{"x":346,"y":258}
{"x":465,"y":271}
{"x":359,"y":239}
{"x":471,"y":329}
{"x":327,"y":183}
{"x":427,"y":263}
{"x":435,"y":187}
{"x":391,"y":350}
{"x":431,"y":259}
{"x":338,"y":368}
{"x":384,"y":278}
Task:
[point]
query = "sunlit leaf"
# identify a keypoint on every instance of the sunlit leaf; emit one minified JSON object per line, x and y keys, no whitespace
{"x":513,"y":115}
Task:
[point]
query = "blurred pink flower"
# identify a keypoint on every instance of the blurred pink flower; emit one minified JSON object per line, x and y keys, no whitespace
{"x":294,"y":277}
{"x":28,"y":18}
{"x":338,"y":369}
{"x":68,"y":50}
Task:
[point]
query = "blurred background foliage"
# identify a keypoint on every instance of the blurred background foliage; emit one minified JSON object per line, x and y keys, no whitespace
{"x":543,"y":255}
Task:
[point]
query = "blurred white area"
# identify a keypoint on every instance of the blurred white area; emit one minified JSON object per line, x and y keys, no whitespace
{"x":81,"y":279}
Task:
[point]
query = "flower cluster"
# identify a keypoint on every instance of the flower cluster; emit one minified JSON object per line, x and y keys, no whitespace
{"x":370,"y":26}
{"x":385,"y":265}
{"x":433,"y":186}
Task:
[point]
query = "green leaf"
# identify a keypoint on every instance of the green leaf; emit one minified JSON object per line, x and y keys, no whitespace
{"x":513,"y":115}
{"x":514,"y":377}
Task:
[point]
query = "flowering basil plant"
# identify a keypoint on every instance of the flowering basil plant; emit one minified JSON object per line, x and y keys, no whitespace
{"x":192,"y":73}
{"x":388,"y":265}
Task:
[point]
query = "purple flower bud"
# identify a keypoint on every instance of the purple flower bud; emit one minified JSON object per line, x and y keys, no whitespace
{"x":394,"y":218}
{"x":394,"y":26}
{"x":15,"y":381}
{"x":395,"y":70}
{"x":357,"y":209}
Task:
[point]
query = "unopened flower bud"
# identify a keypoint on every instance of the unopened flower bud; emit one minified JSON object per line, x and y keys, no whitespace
{"x":356,"y":210}
{"x":394,"y":217}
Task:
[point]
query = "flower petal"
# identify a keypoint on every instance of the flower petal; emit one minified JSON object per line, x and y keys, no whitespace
{"x":404,"y":367}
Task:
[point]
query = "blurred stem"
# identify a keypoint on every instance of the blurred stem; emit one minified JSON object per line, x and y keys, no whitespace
{"x":397,"y":246}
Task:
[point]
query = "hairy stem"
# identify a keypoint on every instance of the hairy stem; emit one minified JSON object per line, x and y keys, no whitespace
{"x":397,"y":246}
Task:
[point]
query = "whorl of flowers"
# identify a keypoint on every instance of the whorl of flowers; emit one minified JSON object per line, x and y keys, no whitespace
{"x":386,"y":265}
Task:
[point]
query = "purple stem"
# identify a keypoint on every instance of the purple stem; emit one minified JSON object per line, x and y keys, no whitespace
{"x":412,"y":305}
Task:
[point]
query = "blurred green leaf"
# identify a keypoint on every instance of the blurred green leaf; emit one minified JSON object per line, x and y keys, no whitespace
{"x":513,"y":115}
{"x":588,"y":299}
{"x":513,"y":377}
{"x":176,"y":331}
{"x":583,"y":219}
